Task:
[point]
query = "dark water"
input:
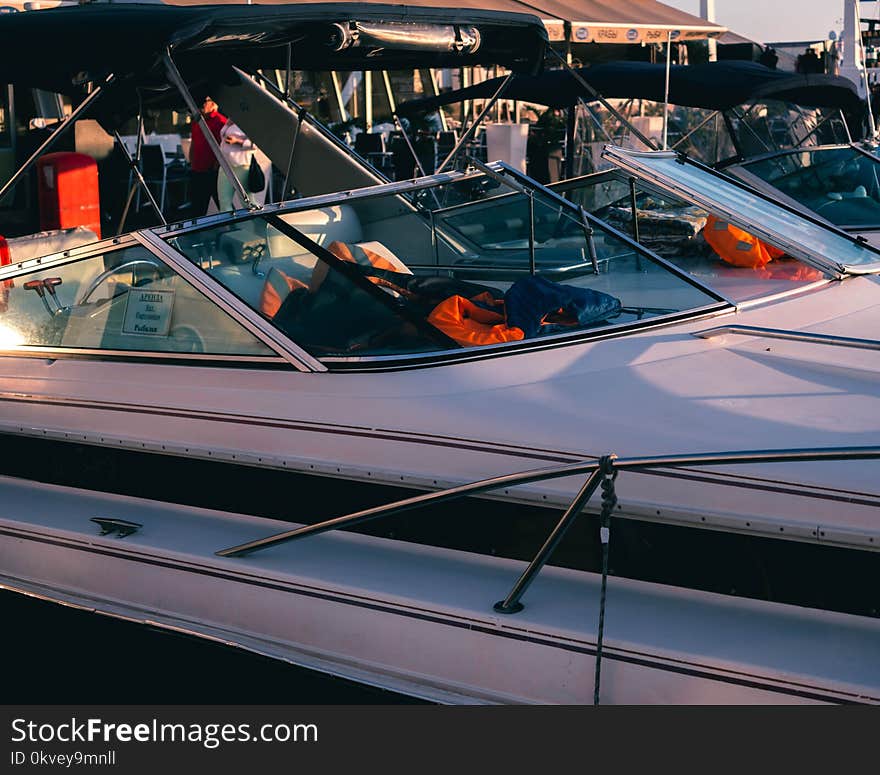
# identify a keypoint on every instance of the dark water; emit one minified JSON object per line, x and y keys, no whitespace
{"x":58,"y":655}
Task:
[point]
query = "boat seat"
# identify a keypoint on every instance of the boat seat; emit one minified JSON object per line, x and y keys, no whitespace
{"x":324,"y":225}
{"x":286,"y":274}
{"x":859,"y":192}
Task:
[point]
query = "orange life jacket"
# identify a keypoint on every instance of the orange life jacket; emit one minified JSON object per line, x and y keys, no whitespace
{"x":356,"y":254}
{"x":275,"y":290}
{"x":470,"y":324}
{"x":736,"y":246}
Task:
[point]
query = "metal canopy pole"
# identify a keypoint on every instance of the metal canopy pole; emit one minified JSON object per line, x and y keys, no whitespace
{"x":337,"y":95}
{"x":133,"y":165}
{"x":368,"y":100}
{"x":599,"y":98}
{"x":845,"y":125}
{"x":287,"y":71}
{"x":409,"y":144}
{"x":52,"y":138}
{"x":666,"y":87}
{"x":467,"y":135}
{"x":591,"y":113}
{"x":872,"y":127}
{"x":133,"y":184}
{"x":177,"y":79}
{"x":300,"y":116}
{"x":435,"y":90}
{"x":570,"y":126}
{"x":389,"y":95}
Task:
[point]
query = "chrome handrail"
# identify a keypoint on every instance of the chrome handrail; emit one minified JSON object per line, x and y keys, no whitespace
{"x":794,"y":336}
{"x":602,"y":472}
{"x":533,"y":476}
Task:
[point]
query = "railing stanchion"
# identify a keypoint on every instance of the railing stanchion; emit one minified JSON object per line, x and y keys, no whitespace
{"x":609,"y":501}
{"x":511,"y":604}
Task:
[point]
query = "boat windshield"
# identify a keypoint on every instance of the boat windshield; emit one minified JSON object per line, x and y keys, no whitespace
{"x":841,"y":184}
{"x":699,"y":241}
{"x":807,"y":238}
{"x":460,"y":260}
{"x":774,"y":125}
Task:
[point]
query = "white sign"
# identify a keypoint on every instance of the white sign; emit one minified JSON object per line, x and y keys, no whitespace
{"x":148,"y":312}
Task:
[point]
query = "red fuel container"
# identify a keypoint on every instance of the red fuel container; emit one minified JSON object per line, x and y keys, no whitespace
{"x":68,"y":191}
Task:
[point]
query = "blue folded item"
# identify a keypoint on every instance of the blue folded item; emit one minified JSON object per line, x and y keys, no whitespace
{"x":531,"y":300}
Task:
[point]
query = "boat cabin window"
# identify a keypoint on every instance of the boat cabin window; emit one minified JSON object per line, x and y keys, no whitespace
{"x":840,"y":184}
{"x":122,"y":300}
{"x":470,"y":263}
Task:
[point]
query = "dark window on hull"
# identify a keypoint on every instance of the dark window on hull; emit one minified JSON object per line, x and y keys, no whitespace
{"x":825,"y":577}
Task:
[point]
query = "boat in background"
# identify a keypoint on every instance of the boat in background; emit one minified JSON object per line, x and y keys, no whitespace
{"x":800,"y":138}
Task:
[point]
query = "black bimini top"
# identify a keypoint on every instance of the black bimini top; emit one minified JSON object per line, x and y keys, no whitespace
{"x":59,"y":49}
{"x":716,"y":86}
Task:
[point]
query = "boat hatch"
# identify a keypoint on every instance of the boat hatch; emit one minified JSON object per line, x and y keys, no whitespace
{"x":801,"y":235}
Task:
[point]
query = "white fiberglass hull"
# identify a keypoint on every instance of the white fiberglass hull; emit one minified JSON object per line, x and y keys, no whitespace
{"x":419,"y":620}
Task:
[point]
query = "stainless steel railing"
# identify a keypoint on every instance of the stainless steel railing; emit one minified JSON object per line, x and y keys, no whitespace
{"x":601,"y":472}
{"x":588,"y":467}
{"x":794,"y":336}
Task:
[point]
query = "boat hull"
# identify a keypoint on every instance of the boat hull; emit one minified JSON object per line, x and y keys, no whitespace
{"x":419,"y":620}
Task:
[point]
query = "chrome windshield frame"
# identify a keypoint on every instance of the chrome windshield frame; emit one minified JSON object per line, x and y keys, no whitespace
{"x":242,"y":313}
{"x":578,"y":213}
{"x":319,"y":200}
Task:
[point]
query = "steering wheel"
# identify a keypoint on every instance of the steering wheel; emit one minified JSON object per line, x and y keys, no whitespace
{"x":187,"y":339}
{"x":107,"y":274}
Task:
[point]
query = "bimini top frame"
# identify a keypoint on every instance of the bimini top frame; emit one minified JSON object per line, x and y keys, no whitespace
{"x":95,"y":56}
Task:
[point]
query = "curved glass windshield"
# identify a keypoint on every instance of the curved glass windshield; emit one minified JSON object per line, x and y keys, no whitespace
{"x":840,"y":184}
{"x":730,"y":260}
{"x":125,"y":299}
{"x":473,"y":262}
{"x":821,"y":246}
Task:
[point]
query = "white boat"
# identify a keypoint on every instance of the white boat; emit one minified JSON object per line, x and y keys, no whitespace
{"x":356,"y":431}
{"x":245,"y":356}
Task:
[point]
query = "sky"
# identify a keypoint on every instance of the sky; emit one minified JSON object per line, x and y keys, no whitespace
{"x":779,"y":20}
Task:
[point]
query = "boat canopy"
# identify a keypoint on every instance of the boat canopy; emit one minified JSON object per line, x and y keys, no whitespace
{"x":716,"y":86}
{"x":586,"y":21}
{"x":60,"y":49}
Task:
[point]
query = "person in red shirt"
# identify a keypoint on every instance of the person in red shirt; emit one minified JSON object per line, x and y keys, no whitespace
{"x":203,"y":164}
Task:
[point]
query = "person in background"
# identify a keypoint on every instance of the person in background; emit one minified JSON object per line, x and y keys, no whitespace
{"x":809,"y":62}
{"x":769,"y":57}
{"x":239,"y":149}
{"x":203,"y":164}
